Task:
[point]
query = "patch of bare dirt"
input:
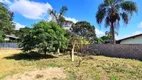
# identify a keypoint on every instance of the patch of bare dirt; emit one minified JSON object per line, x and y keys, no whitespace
{"x":40,"y":74}
{"x":9,"y":51}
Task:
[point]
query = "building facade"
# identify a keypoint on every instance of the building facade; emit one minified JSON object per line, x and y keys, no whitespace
{"x":136,"y":39}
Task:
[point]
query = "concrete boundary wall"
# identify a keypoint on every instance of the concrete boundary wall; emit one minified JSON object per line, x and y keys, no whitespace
{"x":9,"y":45}
{"x":133,"y":51}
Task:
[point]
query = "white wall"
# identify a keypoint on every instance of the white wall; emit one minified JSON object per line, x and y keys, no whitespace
{"x":67,"y":26}
{"x":136,"y":40}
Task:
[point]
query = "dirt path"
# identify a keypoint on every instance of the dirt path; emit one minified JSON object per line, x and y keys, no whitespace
{"x":40,"y":74}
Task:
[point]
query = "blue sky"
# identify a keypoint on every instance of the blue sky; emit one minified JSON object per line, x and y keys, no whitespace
{"x":28,"y":12}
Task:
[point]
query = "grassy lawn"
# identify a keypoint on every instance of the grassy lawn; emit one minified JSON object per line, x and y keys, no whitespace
{"x":92,"y":68}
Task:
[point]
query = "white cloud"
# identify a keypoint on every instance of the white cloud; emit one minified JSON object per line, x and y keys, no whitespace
{"x":137,"y":32}
{"x":5,"y":1}
{"x":140,"y":25}
{"x":118,"y":37}
{"x":18,"y":26}
{"x":30,"y":9}
{"x":71,"y":19}
{"x":99,"y":33}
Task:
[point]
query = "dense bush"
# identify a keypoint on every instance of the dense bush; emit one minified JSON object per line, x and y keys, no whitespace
{"x":45,"y":36}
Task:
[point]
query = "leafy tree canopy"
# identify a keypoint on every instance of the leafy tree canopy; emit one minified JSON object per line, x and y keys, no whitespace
{"x":6,"y":24}
{"x":85,"y":30}
{"x":112,"y":11}
{"x":22,"y":32}
{"x":45,"y":36}
{"x":6,"y":17}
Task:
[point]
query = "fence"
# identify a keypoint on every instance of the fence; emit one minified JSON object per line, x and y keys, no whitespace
{"x":133,"y":51}
{"x":9,"y":45}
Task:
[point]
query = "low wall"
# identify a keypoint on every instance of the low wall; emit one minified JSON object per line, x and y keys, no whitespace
{"x":9,"y":45}
{"x":132,"y":51}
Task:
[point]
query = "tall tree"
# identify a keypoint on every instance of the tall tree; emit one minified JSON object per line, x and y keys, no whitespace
{"x":1,"y":36}
{"x":6,"y":17}
{"x":60,"y":40}
{"x":109,"y":34}
{"x":59,"y":17}
{"x":44,"y":36}
{"x":113,"y":10}
{"x":85,"y":30}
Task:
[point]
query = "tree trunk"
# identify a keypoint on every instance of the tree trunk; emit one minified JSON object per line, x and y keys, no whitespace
{"x":72,"y":52}
{"x":113,"y":33}
{"x":45,"y":52}
{"x":58,"y":51}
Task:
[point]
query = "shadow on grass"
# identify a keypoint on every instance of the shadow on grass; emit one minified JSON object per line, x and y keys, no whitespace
{"x":30,"y":56}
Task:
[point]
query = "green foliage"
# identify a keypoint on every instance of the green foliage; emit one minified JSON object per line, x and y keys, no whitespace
{"x":106,"y":39}
{"x":113,"y":77}
{"x":99,"y":41}
{"x":28,"y":42}
{"x":109,"y":33}
{"x":85,"y":30}
{"x":52,"y":65}
{"x":112,"y":11}
{"x":1,"y":36}
{"x":46,"y":36}
{"x":6,"y":24}
{"x":6,"y":17}
{"x":72,"y":76}
{"x":22,"y":32}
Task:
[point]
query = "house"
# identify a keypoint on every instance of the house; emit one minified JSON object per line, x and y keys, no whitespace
{"x":136,"y":39}
{"x":11,"y":37}
{"x":67,"y":25}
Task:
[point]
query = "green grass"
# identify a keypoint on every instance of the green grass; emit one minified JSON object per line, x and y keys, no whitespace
{"x":72,"y":76}
{"x":92,"y":68}
{"x":113,"y":77}
{"x":52,"y":65}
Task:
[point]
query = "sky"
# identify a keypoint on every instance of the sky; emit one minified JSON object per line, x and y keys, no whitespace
{"x":28,"y":12}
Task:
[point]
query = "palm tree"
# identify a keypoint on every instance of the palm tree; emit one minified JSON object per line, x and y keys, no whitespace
{"x":109,"y":34}
{"x":59,"y":17}
{"x":112,"y":11}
